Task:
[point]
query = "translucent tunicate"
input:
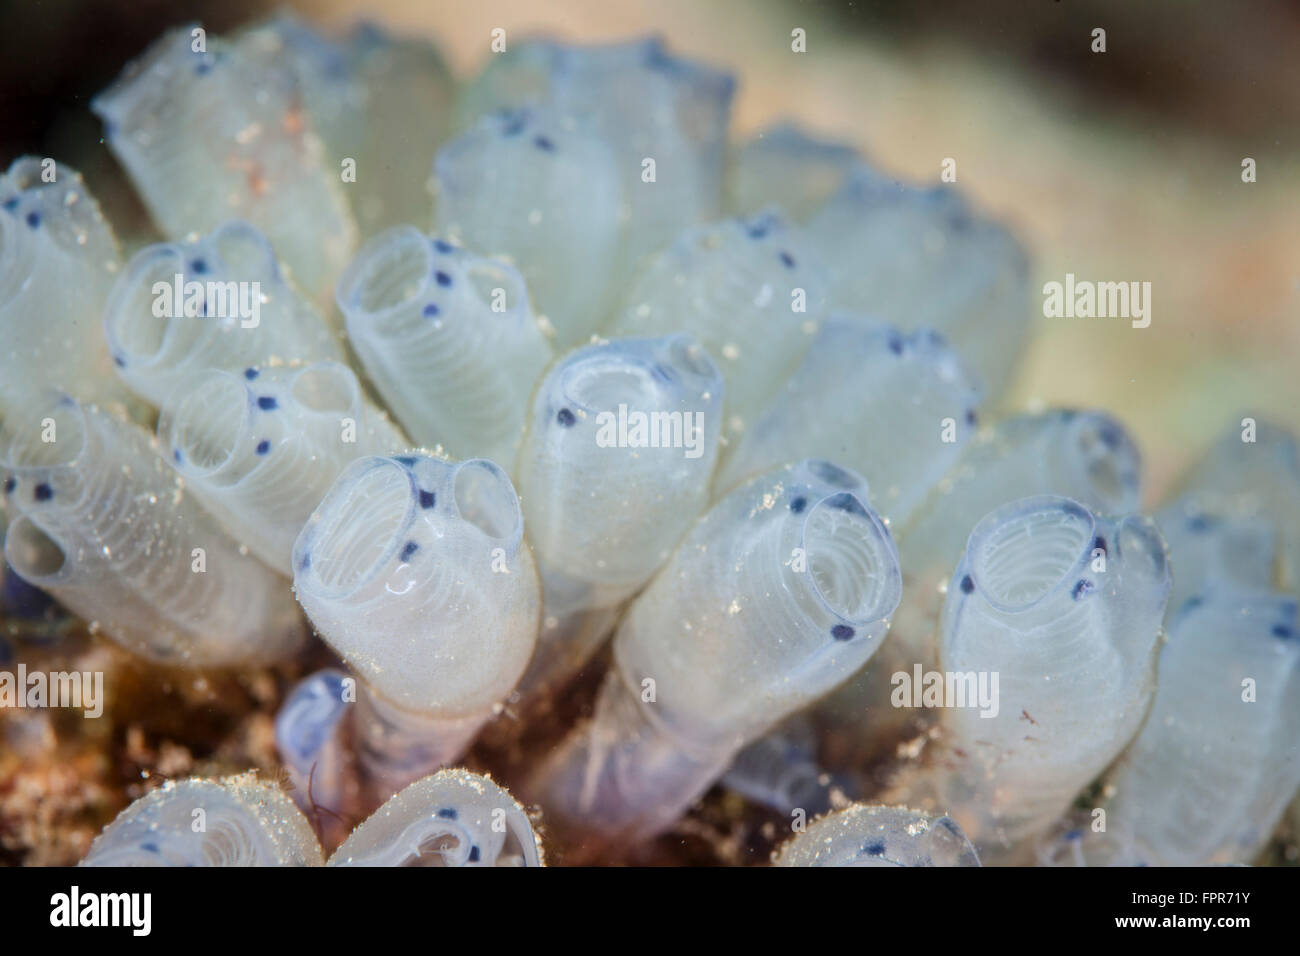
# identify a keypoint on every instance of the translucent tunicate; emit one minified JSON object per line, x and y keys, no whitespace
{"x":107,"y":528}
{"x":1209,"y":776}
{"x":57,"y":260}
{"x":218,"y":302}
{"x":1046,"y":665}
{"x":452,"y":818}
{"x":779,"y":592}
{"x":259,"y":448}
{"x":790,"y":169}
{"x":747,"y":290}
{"x":897,"y":408}
{"x":921,"y":258}
{"x":614,"y":469}
{"x":866,"y":835}
{"x":414,"y":570}
{"x":448,"y":338}
{"x":235,"y":821}
{"x":210,"y":130}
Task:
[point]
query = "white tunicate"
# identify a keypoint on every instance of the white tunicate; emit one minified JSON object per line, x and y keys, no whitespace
{"x":663,"y":118}
{"x":524,"y":186}
{"x":414,"y":570}
{"x":919,"y":257}
{"x":452,"y":818}
{"x":747,"y":290}
{"x":57,"y":260}
{"x":259,"y":448}
{"x":219,"y":133}
{"x":1052,"y":666}
{"x":1085,"y":456}
{"x":1256,"y":480}
{"x":382,"y":102}
{"x":310,"y":738}
{"x":781,"y":591}
{"x":897,"y":408}
{"x":230,"y":309}
{"x":1209,"y":776}
{"x":867,"y":835}
{"x":234,"y":821}
{"x":448,"y":338}
{"x":614,"y":469}
{"x":106,"y":527}
{"x":786,"y":167}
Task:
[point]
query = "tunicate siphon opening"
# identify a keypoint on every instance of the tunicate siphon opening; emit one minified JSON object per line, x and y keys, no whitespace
{"x":851,"y":560}
{"x":495,"y":282}
{"x":390,"y":272}
{"x":48,"y":432}
{"x":204,"y":427}
{"x":243,"y":250}
{"x":486,"y":499}
{"x":1023,"y":551}
{"x":357,"y":525}
{"x":601,"y":381}
{"x":34,"y":555}
{"x":130,"y":322}
{"x":326,"y":387}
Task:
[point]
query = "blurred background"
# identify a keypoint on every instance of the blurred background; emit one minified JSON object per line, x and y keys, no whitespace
{"x":1116,"y":166}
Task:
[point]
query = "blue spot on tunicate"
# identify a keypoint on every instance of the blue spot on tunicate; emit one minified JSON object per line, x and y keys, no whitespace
{"x":1074,"y":835}
{"x":895,"y":343}
{"x":176,"y":455}
{"x":1109,"y":435}
{"x":565,"y":418}
{"x":149,"y":847}
{"x":970,"y":417}
{"x":799,"y":504}
{"x":842,"y":632}
{"x":473,"y":854}
{"x":1099,"y":544}
{"x":1193,"y":602}
{"x":1282,"y":631}
{"x":874,"y":849}
{"x":1082,"y":587}
{"x":202,"y":67}
{"x":119,"y":361}
{"x":431,"y":310}
{"x":787,"y":260}
{"x":427,"y":499}
{"x":267,"y":402}
{"x":43,"y":492}
{"x":967,"y":584}
{"x":10,"y":484}
{"x":33,"y":219}
{"x":542,"y":143}
{"x":409,"y":549}
{"x":443,"y":246}
{"x":847,"y":503}
{"x":11,"y":203}
{"x":406,"y":460}
{"x":514,"y":124}
{"x":250,"y":373}
{"x":447,"y":813}
{"x":444,"y":280}
{"x":263,"y":447}
{"x":305,"y":563}
{"x":1200,"y":523}
{"x":199,"y":266}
